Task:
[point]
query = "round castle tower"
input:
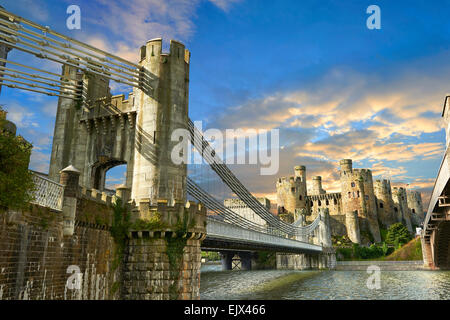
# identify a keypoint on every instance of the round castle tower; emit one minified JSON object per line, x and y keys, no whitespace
{"x":291,"y":194}
{"x":415,"y":205}
{"x":385,"y":209}
{"x":401,"y":207}
{"x":358,"y":197}
{"x":317,"y":186}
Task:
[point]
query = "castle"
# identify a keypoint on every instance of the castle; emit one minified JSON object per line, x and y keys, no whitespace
{"x":358,"y":211}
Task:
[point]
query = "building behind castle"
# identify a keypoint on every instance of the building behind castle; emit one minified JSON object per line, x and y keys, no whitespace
{"x":359,"y":210}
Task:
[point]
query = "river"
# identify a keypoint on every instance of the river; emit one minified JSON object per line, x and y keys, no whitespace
{"x":323,"y":285}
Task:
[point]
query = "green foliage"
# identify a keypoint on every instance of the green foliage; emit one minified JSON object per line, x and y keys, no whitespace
{"x":358,"y":252}
{"x":383,"y":234}
{"x":211,"y":255}
{"x":341,"y":240}
{"x":152,"y":224}
{"x":266,"y":260}
{"x":119,"y":230}
{"x":398,"y":235}
{"x":16,"y":181}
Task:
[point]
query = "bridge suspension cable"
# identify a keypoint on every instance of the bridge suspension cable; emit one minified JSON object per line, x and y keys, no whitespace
{"x":208,"y":153}
{"x":230,"y":216}
{"x":44,"y":43}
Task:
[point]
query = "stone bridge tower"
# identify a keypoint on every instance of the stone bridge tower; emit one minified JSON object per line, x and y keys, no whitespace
{"x":158,"y":115}
{"x":162,"y":253}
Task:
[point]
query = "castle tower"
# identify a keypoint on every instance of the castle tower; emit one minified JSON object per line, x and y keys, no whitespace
{"x":415,"y":205}
{"x":385,"y":204}
{"x":155,"y":175}
{"x":291,"y":194}
{"x":401,"y":207}
{"x":358,"y":196}
{"x":317,"y":186}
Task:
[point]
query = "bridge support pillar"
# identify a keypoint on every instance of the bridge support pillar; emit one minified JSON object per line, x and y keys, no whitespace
{"x":162,"y":257}
{"x":428,"y":261}
{"x":246,"y":260}
{"x":227,"y":260}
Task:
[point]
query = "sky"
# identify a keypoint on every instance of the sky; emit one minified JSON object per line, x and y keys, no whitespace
{"x":312,"y":69}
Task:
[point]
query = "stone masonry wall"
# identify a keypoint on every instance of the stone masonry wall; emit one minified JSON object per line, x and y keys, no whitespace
{"x":35,"y":256}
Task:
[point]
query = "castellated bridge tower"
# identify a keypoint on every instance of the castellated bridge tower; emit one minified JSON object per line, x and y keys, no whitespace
{"x":291,"y":195}
{"x":385,"y":204}
{"x":401,"y":207}
{"x":358,"y":201}
{"x":415,"y":206}
{"x":157,"y":116}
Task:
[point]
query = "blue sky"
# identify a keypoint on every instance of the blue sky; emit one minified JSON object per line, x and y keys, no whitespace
{"x":334,"y":88}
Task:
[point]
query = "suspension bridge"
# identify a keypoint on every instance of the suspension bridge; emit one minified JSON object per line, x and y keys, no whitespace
{"x":100,"y":138}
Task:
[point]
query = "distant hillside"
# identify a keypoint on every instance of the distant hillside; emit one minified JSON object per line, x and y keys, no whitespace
{"x":410,"y":251}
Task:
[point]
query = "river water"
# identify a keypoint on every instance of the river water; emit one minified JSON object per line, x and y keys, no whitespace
{"x":307,"y":285}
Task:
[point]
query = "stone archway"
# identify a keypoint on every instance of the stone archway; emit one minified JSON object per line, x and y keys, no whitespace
{"x":99,"y":169}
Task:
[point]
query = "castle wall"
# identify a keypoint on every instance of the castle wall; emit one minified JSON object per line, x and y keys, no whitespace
{"x":332,"y":201}
{"x":35,"y":256}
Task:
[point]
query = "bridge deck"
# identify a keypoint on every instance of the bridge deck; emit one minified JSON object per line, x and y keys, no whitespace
{"x":222,"y":236}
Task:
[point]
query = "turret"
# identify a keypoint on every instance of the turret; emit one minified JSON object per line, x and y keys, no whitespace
{"x":292,"y":194}
{"x":415,"y":207}
{"x":401,"y":207}
{"x":346,"y":165}
{"x":160,"y":111}
{"x":317,"y":186}
{"x":385,"y":203}
{"x":358,"y":196}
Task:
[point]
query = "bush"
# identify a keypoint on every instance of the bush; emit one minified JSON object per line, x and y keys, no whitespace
{"x":398,"y":235}
{"x":16,"y":181}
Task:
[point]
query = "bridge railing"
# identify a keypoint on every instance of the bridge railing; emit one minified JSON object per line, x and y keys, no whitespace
{"x":47,"y":193}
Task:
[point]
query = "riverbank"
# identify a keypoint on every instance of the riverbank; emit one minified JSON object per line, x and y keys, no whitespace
{"x":383,"y":264}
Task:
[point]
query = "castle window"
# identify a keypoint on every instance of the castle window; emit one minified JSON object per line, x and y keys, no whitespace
{"x":413,"y":210}
{"x":312,"y":204}
{"x":357,"y":194}
{"x":327,"y":202}
{"x":349,"y":194}
{"x":300,"y":197}
{"x":292,"y":189}
{"x":319,"y":203}
{"x":381,"y":205}
{"x":353,"y":184}
{"x":335,"y":201}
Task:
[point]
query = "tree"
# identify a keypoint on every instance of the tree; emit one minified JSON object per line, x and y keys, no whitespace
{"x":397,"y":234}
{"x":16,"y":181}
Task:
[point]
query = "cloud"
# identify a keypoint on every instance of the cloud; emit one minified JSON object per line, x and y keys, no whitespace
{"x":136,"y":22}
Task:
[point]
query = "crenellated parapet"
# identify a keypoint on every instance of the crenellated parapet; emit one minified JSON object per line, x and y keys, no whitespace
{"x":188,"y":219}
{"x":358,"y":196}
{"x":292,"y":194}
